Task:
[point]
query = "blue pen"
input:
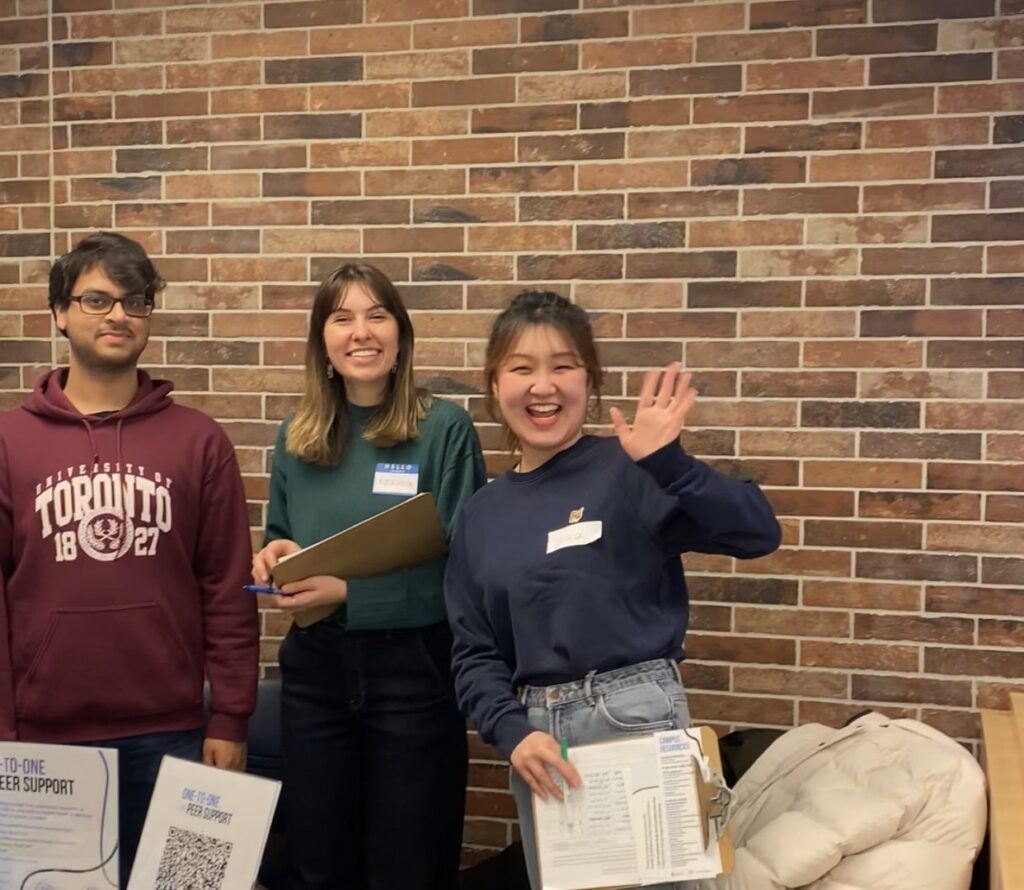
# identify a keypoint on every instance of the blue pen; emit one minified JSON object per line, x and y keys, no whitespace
{"x":263,"y":588}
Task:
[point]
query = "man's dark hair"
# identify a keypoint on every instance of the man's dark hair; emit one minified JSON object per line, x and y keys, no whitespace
{"x":122,"y":260}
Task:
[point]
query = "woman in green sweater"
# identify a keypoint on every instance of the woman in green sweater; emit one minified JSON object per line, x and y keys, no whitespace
{"x":374,"y":747}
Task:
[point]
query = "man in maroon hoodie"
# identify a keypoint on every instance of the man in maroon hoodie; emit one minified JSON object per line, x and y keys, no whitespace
{"x":124,"y":545}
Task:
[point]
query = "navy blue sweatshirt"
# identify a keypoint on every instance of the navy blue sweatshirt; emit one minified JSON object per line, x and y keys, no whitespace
{"x":575,"y":567}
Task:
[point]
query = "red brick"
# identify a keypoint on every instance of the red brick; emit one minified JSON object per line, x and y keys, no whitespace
{"x":745,"y":649}
{"x":685,"y":142}
{"x":573,"y":26}
{"x":926,"y":196}
{"x":473,"y":91}
{"x":980,"y":162}
{"x":984,"y":354}
{"x":797,"y":683}
{"x":262,"y":44}
{"x":921,"y":323}
{"x":805,"y":75}
{"x":979,"y":227}
{"x":521,"y":119}
{"x":803,"y":13}
{"x":922,"y":384}
{"x":1002,"y":571}
{"x":412,"y":182}
{"x":774,"y":384}
{"x":571,"y":87}
{"x":461,"y":268}
{"x":913,"y":690}
{"x":503,"y":60}
{"x":686,"y":80}
{"x":873,"y":41}
{"x":520,"y":238}
{"x":863,"y":656}
{"x":312,"y":13}
{"x":465,"y":210}
{"x":921,"y":260}
{"x":741,"y":233}
{"x":838,"y":136}
{"x":931,"y":69}
{"x":738,"y":709}
{"x":430,"y":122}
{"x":869,"y":535}
{"x":435,"y":35}
{"x":921,"y":446}
{"x":1008,"y":385}
{"x":690,"y":19}
{"x":682,"y":204}
{"x":862,"y":594}
{"x":637,"y":53}
{"x":82,"y":108}
{"x":483,"y":150}
{"x":975,"y":662}
{"x":745,"y":171}
{"x":213,"y":130}
{"x":572,"y":207}
{"x":880,"y":101}
{"x":937,"y":131}
{"x":817,"y":444}
{"x":254,"y":101}
{"x":408,"y":10}
{"x":1008,"y":193}
{"x":681,"y":324}
{"x":792,"y":622}
{"x":911,"y":10}
{"x":622,"y":115}
{"x":797,"y":262}
{"x":917,"y":567}
{"x":823,"y":199}
{"x":851,"y":167}
{"x":588,"y":266}
{"x":773,"y":107}
{"x":980,"y":97}
{"x":521,"y":179}
{"x":785,"y":44}
{"x":598,"y":146}
{"x":147,"y":159}
{"x":974,"y":601}
{"x":989,"y":538}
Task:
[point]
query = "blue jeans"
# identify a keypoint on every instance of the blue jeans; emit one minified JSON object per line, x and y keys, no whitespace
{"x":138,"y":762}
{"x":636,"y":700}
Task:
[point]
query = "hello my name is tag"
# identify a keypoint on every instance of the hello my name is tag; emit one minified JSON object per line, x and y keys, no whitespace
{"x":398,"y":479}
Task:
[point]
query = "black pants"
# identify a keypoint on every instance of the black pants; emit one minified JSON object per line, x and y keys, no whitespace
{"x":374,"y":759}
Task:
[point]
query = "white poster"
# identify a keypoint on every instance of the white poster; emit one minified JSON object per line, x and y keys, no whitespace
{"x":58,"y":817}
{"x":205,"y":827}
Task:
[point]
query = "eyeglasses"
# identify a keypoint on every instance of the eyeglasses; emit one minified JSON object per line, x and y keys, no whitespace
{"x":135,"y":305}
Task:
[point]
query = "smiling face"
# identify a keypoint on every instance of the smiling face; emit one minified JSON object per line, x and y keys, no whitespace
{"x":108,"y":343}
{"x":361,"y":339}
{"x":541,"y":388}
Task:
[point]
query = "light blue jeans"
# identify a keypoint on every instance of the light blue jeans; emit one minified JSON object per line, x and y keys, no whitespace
{"x":636,"y":700}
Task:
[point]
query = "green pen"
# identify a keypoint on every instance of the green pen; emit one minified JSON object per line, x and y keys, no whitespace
{"x":563,"y":745}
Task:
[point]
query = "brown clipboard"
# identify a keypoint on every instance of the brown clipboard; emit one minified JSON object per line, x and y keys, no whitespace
{"x":707,"y":799}
{"x":406,"y":535}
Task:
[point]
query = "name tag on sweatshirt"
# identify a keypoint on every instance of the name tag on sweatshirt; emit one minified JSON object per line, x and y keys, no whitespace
{"x":574,"y":535}
{"x":396,"y":479}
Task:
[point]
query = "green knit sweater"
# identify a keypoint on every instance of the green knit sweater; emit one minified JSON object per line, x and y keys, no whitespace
{"x":309,"y":503}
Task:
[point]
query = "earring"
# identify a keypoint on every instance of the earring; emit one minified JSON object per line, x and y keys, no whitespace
{"x":394,"y":367}
{"x":330,"y":371}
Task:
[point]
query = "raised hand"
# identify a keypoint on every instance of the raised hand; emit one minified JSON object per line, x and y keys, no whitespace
{"x":665,"y":398}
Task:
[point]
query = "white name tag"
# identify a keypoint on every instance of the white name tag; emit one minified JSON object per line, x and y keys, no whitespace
{"x":396,"y":479}
{"x":574,"y":535}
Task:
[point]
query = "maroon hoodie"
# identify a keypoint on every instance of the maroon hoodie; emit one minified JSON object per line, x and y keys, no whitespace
{"x":124,"y":545}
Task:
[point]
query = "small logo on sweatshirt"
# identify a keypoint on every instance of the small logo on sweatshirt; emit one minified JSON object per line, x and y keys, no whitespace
{"x":576,"y":515}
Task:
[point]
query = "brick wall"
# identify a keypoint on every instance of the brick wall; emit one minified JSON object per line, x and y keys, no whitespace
{"x":817,"y":205}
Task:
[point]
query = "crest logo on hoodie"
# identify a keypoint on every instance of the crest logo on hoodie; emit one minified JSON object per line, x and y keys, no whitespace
{"x":104,"y":511}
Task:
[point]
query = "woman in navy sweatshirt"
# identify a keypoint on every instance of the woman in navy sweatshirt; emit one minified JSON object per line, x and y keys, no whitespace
{"x":564,"y":587}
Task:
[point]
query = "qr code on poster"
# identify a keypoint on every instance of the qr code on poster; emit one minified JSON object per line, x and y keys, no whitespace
{"x":192,"y":861}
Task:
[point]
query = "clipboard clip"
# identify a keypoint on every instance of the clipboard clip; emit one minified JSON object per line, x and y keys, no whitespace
{"x":715,"y":799}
